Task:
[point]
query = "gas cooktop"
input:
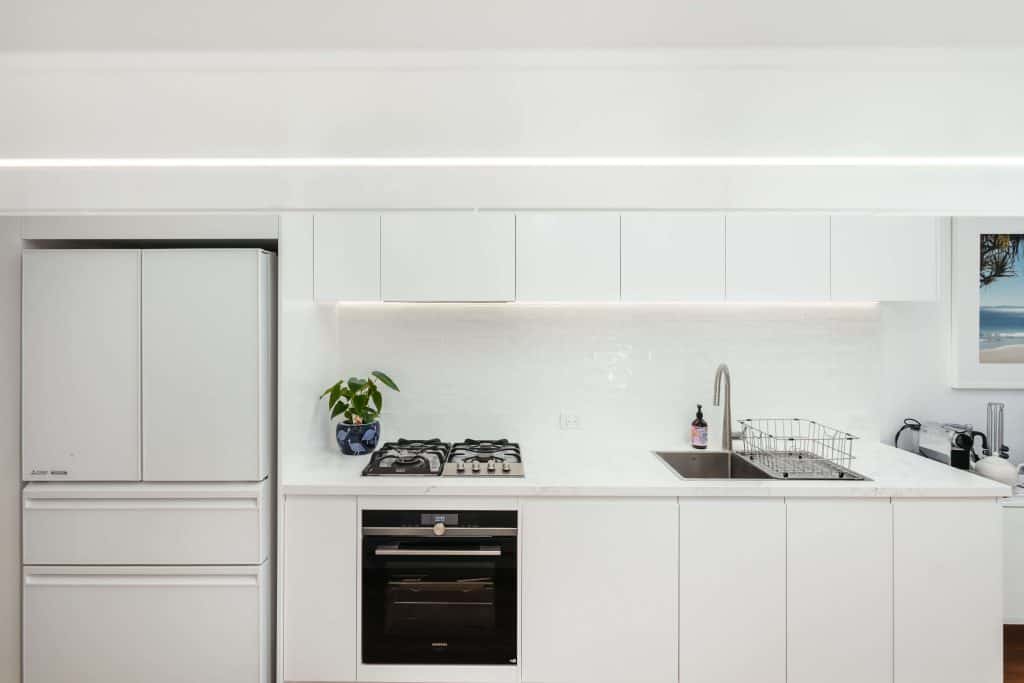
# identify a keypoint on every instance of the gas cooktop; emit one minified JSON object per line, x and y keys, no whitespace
{"x":433,"y":457}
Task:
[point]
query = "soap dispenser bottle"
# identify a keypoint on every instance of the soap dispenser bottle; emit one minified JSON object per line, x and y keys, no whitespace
{"x":699,"y":430}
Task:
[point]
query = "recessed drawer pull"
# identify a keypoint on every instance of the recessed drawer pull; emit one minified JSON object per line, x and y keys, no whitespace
{"x":141,"y":504}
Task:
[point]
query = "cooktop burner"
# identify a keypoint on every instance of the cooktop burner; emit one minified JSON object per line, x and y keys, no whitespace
{"x":494,"y":458}
{"x":407,"y":456}
{"x":433,"y":457}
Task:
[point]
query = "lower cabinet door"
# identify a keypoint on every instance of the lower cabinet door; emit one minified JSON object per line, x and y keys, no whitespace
{"x":732,"y":590}
{"x":599,"y":590}
{"x":948,"y":610}
{"x":319,"y":588}
{"x":839,"y":607}
{"x":152,"y":624}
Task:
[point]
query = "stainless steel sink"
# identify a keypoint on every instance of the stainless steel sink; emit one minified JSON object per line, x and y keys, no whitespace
{"x":726,"y":465}
{"x":710,"y":465}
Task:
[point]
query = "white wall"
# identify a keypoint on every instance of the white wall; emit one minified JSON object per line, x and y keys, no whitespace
{"x":816,"y":102}
{"x":864,"y":369}
{"x":10,"y":450}
{"x":915,"y":371}
{"x":398,"y":24}
{"x":633,"y":374}
{"x":821,"y":103}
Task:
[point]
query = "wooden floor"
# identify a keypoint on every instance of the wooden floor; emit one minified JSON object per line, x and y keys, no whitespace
{"x":1013,"y":654}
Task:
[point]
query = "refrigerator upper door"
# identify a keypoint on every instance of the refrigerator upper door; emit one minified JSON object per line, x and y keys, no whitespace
{"x":204,"y":378}
{"x":80,"y":365}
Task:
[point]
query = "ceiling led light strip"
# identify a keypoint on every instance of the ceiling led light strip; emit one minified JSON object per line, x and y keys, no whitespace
{"x":505,"y":162}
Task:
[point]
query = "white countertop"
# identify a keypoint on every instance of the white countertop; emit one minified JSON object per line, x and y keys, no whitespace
{"x":635,"y":472}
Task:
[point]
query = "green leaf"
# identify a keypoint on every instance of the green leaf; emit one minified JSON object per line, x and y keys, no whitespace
{"x":337,"y":410}
{"x":387,"y":381}
{"x":354,"y":384}
{"x":335,"y":395}
{"x":378,"y":401}
{"x":331,"y":388}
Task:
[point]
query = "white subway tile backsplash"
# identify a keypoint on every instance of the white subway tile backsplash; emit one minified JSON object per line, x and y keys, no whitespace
{"x":632,"y":374}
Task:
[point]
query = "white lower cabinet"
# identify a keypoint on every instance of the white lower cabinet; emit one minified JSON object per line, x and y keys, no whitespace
{"x":320,"y":584}
{"x":947,"y":572}
{"x":599,"y":581}
{"x":152,"y":624}
{"x":732,"y":590}
{"x":839,"y":588}
{"x":1013,"y":561}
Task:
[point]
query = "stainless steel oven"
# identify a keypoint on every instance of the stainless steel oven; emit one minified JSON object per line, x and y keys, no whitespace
{"x":439,"y":587}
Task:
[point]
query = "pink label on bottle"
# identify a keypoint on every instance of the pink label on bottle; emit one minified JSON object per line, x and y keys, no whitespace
{"x":698,"y":435}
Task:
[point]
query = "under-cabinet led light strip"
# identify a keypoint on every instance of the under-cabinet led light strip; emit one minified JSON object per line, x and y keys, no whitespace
{"x":511,"y":162}
{"x":607,"y":304}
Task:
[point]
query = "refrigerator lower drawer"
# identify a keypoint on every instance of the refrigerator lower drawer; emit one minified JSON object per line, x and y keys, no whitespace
{"x":159,"y":524}
{"x":153,"y":624}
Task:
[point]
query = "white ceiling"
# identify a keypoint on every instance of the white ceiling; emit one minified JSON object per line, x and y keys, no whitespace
{"x":72,"y":25}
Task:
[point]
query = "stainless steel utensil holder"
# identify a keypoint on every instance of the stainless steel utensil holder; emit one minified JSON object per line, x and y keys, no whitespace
{"x":794,"y":448}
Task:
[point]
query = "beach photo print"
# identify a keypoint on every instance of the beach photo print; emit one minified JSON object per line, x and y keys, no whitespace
{"x":986,"y":289}
{"x":1001,"y":299}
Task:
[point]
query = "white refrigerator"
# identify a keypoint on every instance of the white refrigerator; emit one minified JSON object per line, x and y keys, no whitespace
{"x":148,"y":440}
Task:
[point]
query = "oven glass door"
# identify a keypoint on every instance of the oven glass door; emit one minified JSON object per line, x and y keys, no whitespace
{"x":439,"y":601}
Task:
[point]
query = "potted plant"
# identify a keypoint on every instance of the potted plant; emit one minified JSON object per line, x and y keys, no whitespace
{"x":359,"y":402}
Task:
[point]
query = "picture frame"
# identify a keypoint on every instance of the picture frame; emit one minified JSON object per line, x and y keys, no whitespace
{"x":987,"y":346}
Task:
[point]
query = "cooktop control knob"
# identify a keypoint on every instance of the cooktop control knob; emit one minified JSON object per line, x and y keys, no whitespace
{"x":490,"y":466}
{"x":505,"y":467}
{"x":439,"y":529}
{"x":460,"y":467}
{"x":476,"y":467}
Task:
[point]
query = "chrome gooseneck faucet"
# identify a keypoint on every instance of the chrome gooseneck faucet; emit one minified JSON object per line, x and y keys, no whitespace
{"x":723,"y":371}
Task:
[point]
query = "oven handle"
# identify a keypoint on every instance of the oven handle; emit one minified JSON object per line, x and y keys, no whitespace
{"x":449,"y":532}
{"x":395,"y":551}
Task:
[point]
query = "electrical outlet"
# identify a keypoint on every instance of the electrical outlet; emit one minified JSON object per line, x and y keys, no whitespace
{"x":569,"y":421}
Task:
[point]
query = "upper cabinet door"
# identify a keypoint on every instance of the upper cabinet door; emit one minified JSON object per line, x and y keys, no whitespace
{"x":885,"y":258}
{"x":346,"y":256}
{"x":673,"y":256}
{"x":776,"y":257}
{"x":567,"y":256}
{"x":206,"y":374}
{"x":448,"y":256}
{"x":80,"y":365}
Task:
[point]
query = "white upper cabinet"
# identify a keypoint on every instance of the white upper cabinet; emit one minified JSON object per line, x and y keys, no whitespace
{"x":673,"y":256}
{"x":448,"y":256}
{"x":567,"y":256}
{"x":885,"y":258}
{"x":776,"y":257}
{"x":207,"y":367}
{"x":80,"y":365}
{"x":839,"y":608}
{"x":346,"y":256}
{"x":600,"y":580}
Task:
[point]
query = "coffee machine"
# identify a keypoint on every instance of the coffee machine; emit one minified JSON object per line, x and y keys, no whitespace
{"x":949,"y":443}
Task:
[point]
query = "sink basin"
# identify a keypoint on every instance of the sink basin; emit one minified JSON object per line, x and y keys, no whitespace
{"x":710,"y":465}
{"x":724,"y":465}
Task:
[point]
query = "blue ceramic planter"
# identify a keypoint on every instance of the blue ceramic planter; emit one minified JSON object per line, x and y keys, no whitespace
{"x":357,"y":439}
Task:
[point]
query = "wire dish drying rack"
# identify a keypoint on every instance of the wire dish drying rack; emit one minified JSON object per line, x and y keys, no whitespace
{"x":794,"y":448}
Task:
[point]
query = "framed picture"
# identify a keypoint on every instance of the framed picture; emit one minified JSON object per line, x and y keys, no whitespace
{"x":988,"y":303}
